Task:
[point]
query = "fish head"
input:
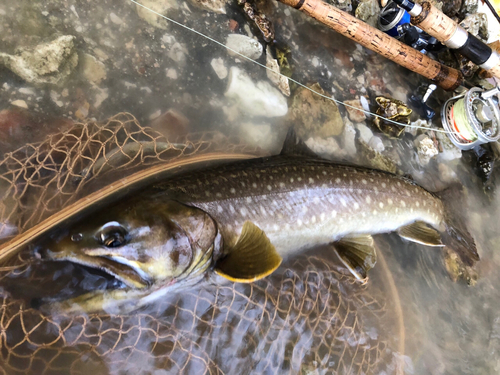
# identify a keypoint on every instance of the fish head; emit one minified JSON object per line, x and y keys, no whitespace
{"x":139,"y":242}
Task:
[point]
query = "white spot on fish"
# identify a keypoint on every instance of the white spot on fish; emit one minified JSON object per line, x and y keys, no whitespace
{"x":311,"y":181}
{"x":254,"y":185}
{"x":417,"y":204}
{"x":316,"y":200}
{"x":356,"y":205}
{"x":287,"y":226}
{"x":375,"y":212}
{"x":299,"y":222}
{"x":231,"y":208}
{"x":218,"y":195}
{"x":207,"y":193}
{"x":403,"y":203}
{"x":269,"y":187}
{"x":304,"y":209}
{"x":243,"y":211}
{"x":322,"y":217}
{"x":243,"y":184}
{"x":249,"y":199}
{"x":282,"y":185}
{"x":291,"y":180}
{"x":313,"y":219}
{"x":276,"y":227}
{"x":384,"y":185}
{"x":233,"y":190}
{"x":324,"y":173}
{"x":364,"y":181}
{"x":299,"y":179}
{"x":344,"y":203}
{"x":263,"y":210}
{"x":337,"y":180}
{"x":381,"y":205}
{"x":390,"y":201}
{"x":274,"y":202}
{"x":219,"y":208}
{"x":334,"y":213}
{"x":368,"y":199}
{"x":399,"y":184}
{"x":363,"y":214}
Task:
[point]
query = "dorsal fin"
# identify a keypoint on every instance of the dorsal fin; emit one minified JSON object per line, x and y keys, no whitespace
{"x":294,"y":145}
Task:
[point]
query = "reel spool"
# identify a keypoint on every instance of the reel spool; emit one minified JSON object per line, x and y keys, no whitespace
{"x":472,"y":118}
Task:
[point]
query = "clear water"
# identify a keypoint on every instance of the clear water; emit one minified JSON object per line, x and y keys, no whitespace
{"x":450,"y":328}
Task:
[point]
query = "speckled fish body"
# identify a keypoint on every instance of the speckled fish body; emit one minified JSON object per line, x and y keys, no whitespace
{"x":301,"y":202}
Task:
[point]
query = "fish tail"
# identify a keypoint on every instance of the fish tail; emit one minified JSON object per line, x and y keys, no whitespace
{"x":456,"y":236}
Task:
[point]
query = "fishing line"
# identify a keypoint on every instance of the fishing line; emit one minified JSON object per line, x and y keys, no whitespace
{"x":282,"y":75}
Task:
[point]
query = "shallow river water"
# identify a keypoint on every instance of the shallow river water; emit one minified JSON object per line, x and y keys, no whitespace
{"x":309,"y":317}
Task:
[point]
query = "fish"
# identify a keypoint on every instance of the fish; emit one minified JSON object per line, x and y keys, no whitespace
{"x":242,"y":218}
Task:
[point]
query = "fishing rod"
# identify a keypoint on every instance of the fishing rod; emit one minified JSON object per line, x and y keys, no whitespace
{"x":472,"y":118}
{"x":469,"y":119}
{"x":379,"y":42}
{"x":435,"y":23}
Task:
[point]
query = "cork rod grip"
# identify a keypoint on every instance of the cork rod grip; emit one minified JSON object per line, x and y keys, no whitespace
{"x":379,"y":42}
{"x":434,"y":22}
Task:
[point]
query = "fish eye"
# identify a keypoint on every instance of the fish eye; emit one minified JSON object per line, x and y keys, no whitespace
{"x":112,"y":235}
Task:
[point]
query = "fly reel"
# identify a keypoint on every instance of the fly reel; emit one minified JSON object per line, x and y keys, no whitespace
{"x":472,"y":118}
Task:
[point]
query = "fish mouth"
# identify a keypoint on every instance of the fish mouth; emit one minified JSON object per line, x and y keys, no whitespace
{"x":127,"y":274}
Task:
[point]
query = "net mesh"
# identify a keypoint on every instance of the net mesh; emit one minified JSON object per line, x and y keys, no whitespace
{"x":308,"y":317}
{"x":39,"y":179}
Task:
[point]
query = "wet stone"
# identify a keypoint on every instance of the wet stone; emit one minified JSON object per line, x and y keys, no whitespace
{"x":159,"y":6}
{"x":355,"y":115}
{"x":46,"y":63}
{"x":244,"y":45}
{"x":255,"y":99}
{"x":317,"y":116}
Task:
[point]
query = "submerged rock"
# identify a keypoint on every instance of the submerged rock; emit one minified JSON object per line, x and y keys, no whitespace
{"x":447,"y":151}
{"x":318,"y":116}
{"x":219,"y":67}
{"x":368,"y":11}
{"x":278,"y":80}
{"x":327,"y":148}
{"x":255,"y":99}
{"x":477,"y":25}
{"x":354,"y":114}
{"x":217,"y":6}
{"x":260,"y":135}
{"x":426,"y":149}
{"x":375,"y":159}
{"x":159,"y":6}
{"x":92,"y":69}
{"x":244,"y":45}
{"x":47,"y":63}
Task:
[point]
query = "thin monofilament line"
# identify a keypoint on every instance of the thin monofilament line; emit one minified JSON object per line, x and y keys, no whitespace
{"x":282,"y":75}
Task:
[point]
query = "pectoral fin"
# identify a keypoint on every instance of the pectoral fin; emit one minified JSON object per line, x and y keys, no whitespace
{"x":421,"y":233}
{"x":358,"y":254}
{"x":252,"y":257}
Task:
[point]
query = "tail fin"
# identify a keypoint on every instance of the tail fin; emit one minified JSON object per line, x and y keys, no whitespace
{"x":456,"y":236}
